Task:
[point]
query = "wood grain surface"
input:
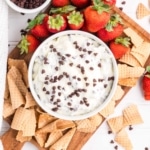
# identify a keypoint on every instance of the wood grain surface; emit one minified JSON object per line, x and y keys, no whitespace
{"x":79,"y":138}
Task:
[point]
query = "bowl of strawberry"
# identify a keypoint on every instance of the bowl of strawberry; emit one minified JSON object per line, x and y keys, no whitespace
{"x":28,"y":6}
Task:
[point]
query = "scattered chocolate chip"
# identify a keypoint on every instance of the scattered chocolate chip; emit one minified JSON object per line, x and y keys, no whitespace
{"x":146,"y":148}
{"x":44,"y":89}
{"x":87,"y":61}
{"x":110,"y":78}
{"x":130,"y":127}
{"x":111,"y":141}
{"x":91,"y":68}
{"x":109,"y":132}
{"x":116,"y":147}
{"x":123,"y":2}
{"x":68,"y":55}
{"x":88,"y":44}
{"x":69,"y":104}
{"x":55,"y":109}
{"x":56,"y":68}
{"x":99,"y":65}
{"x":121,"y":8}
{"x":43,"y":71}
{"x":105,"y":85}
{"x":47,"y":92}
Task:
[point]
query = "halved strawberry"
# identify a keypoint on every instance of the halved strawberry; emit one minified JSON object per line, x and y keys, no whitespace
{"x":120,"y":46}
{"x":113,"y":29}
{"x":37,"y":27}
{"x":28,"y":44}
{"x":56,"y":23}
{"x":75,"y":20}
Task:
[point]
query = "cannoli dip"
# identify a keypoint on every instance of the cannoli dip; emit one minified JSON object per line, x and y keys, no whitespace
{"x":73,"y":74}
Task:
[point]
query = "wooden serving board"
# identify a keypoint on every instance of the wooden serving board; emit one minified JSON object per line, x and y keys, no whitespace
{"x":79,"y":139}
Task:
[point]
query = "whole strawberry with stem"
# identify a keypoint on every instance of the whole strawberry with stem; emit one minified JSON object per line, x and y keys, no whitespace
{"x":75,"y":20}
{"x":56,"y":23}
{"x":146,"y":83}
{"x":112,"y":30}
{"x":120,"y":46}
{"x":37,"y":27}
{"x":28,"y":44}
{"x":96,"y":16}
{"x":60,"y":3}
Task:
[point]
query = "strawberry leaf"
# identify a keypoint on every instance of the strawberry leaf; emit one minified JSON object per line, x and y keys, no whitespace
{"x":148,"y":69}
{"x":123,"y":40}
{"x":114,"y":20}
{"x":62,"y":10}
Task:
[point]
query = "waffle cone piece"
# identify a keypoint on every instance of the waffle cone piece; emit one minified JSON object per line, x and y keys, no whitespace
{"x":64,"y":141}
{"x":142,"y":11}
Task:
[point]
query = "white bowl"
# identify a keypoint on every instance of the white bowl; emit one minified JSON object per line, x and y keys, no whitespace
{"x":64,"y":84}
{"x":27,"y":11}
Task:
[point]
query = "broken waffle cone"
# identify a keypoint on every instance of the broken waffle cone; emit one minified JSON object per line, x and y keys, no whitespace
{"x":142,"y":11}
{"x":128,"y":82}
{"x":96,"y":120}
{"x":64,"y":141}
{"x":22,"y":138}
{"x":29,"y":100}
{"x":122,"y":138}
{"x":16,"y":97}
{"x":41,"y":138}
{"x":44,"y":119}
{"x":85,"y":126}
{"x":53,"y":137}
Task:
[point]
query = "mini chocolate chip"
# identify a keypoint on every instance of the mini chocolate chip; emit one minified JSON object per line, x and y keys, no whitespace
{"x":116,"y":147}
{"x":69,"y":83}
{"x":60,"y":77}
{"x":59,"y":87}
{"x":111,"y":141}
{"x":99,"y":65}
{"x":94,"y":80}
{"x":100,"y":80}
{"x":121,"y":8}
{"x":58,"y":100}
{"x":71,"y":64}
{"x":79,"y":79}
{"x":47,"y":92}
{"x":130,"y":127}
{"x":55,"y":109}
{"x":95,"y":54}
{"x":105,"y":85}
{"x":89,"y":52}
{"x":84,"y":50}
{"x":110,"y":78}
{"x":51,"y":46}
{"x":81,"y":55}
{"x":91,"y":68}
{"x":78,"y":66}
{"x":47,"y":78}
{"x":88,"y":44}
{"x":85,"y":78}
{"x":43,"y":71}
{"x":71,"y":109}
{"x":87,"y":61}
{"x":94,"y":85}
{"x":59,"y":93}
{"x":44,"y":89}
{"x":68,"y":55}
{"x":69,"y":104}
{"x":54,"y":50}
{"x":74,"y":77}
{"x":87,"y":84}
{"x":146,"y":148}
{"x":46,"y":82}
{"x":56,"y":68}
{"x":55,"y":103}
{"x":109,"y":132}
{"x":81,"y":102}
{"x":61,"y":62}
{"x":75,"y":42}
{"x":80,"y":48}
{"x":123,"y":2}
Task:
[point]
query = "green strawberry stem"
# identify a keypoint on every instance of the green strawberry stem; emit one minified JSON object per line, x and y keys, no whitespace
{"x":123,"y":40}
{"x":114,"y":20}
{"x":75,"y":18}
{"x":56,"y":22}
{"x":62,"y":10}
{"x":147,"y":72}
{"x":100,"y":6}
{"x":38,"y":20}
{"x":23,"y":45}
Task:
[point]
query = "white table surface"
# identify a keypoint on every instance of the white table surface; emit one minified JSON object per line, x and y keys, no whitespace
{"x":140,"y":135}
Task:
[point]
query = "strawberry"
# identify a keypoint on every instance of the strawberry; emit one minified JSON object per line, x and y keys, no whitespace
{"x":38,"y":28}
{"x":96,"y":16}
{"x":110,"y":2}
{"x":146,"y":83}
{"x":75,"y":20}
{"x":60,"y":3}
{"x":28,"y":44}
{"x":80,"y":3}
{"x":120,"y":46}
{"x":113,"y":29}
{"x":56,"y":23}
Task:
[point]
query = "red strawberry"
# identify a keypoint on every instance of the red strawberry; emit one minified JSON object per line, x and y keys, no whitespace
{"x":60,"y":3}
{"x":96,"y":16}
{"x":113,"y":29}
{"x":146,"y":83}
{"x":37,"y":27}
{"x":80,"y":3}
{"x":28,"y":44}
{"x":110,"y":2}
{"x":56,"y":23}
{"x":75,"y":20}
{"x":120,"y":46}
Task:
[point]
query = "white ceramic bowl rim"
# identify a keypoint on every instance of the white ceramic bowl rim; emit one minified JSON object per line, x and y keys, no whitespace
{"x":79,"y":117}
{"x":25,"y":10}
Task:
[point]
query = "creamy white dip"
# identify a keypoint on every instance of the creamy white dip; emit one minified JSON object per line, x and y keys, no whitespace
{"x":73,"y":74}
